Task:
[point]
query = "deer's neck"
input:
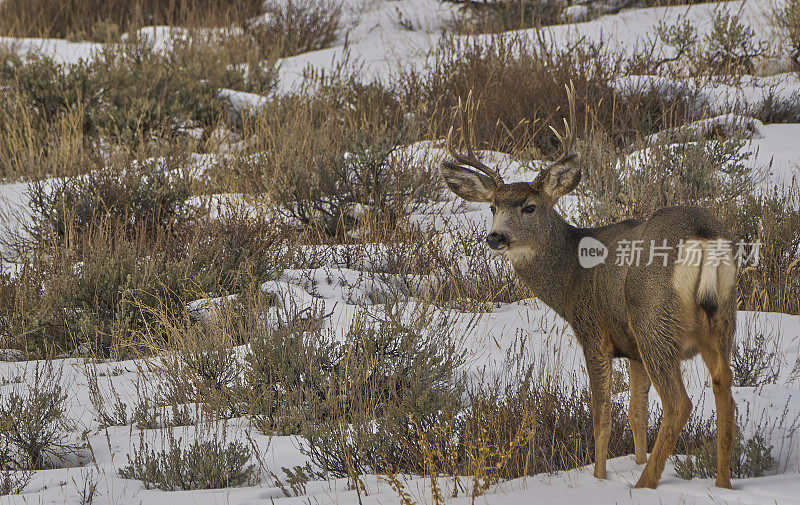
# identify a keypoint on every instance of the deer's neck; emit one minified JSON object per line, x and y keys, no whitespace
{"x":552,"y":271}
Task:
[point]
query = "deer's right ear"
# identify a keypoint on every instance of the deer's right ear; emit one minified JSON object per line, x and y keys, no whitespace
{"x":468,"y":184}
{"x":561,"y":180}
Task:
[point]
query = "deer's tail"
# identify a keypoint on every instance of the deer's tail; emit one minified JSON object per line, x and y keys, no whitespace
{"x":717,"y":275}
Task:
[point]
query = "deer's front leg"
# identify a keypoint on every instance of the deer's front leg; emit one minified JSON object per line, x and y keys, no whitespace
{"x":598,"y":366}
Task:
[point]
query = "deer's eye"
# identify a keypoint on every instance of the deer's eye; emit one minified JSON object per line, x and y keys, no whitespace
{"x":528,"y":209}
{"x":493,"y":209}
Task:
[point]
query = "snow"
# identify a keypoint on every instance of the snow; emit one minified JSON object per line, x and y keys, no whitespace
{"x":714,"y":97}
{"x":345,"y":286}
{"x":490,"y":338}
{"x":243,"y":101}
{"x":526,"y":326}
{"x":62,"y":51}
{"x":776,"y":151}
{"x":734,"y":125}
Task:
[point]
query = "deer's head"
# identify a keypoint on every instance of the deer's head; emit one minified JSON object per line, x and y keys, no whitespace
{"x":523,"y":212}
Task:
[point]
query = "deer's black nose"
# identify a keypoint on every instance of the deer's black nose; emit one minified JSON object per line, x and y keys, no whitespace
{"x":496,"y":240}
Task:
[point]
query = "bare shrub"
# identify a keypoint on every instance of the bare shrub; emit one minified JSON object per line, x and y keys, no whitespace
{"x":122,"y":295}
{"x":209,"y":463}
{"x":109,"y":253}
{"x":12,"y":479}
{"x":294,"y":352}
{"x":755,"y":361}
{"x":772,"y":219}
{"x":239,"y":250}
{"x":714,"y":173}
{"x":206,"y":370}
{"x":87,"y":488}
{"x":105,"y":32}
{"x":681,"y":37}
{"x":775,"y":107}
{"x":391,"y":382}
{"x":730,"y":49}
{"x":558,"y":415}
{"x":524,"y":421}
{"x":156,"y":93}
{"x":331,"y":162}
{"x":107,"y":302}
{"x":133,"y":198}
{"x":46,"y":135}
{"x":297,"y":26}
{"x":359,"y":403}
{"x":33,"y":422}
{"x":424,"y":267}
{"x":117,"y":413}
{"x":491,"y":16}
{"x":749,"y":458}
{"x":200,"y":372}
{"x":787,"y":17}
{"x":674,"y":173}
{"x":357,"y":175}
{"x":731,"y":46}
{"x":101,"y":248}
{"x":651,"y":3}
{"x":296,"y":479}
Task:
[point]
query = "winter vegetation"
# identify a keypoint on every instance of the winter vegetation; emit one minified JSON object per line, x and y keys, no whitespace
{"x":230,"y":271}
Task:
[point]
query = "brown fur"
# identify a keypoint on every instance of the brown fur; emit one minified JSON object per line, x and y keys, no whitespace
{"x":655,"y":316}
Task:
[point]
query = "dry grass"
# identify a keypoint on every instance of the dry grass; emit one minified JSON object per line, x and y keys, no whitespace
{"x":254,"y":29}
{"x":495,"y":16}
{"x":327,"y":163}
{"x":301,"y":133}
{"x":80,"y":18}
{"x":512,"y":80}
{"x":63,"y":119}
{"x":144,"y":248}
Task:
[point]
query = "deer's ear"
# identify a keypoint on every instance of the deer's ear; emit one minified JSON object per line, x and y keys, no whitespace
{"x":561,"y":180}
{"x":468,"y":184}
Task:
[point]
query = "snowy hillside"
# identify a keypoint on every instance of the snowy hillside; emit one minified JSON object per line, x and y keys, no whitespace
{"x":348,"y":280}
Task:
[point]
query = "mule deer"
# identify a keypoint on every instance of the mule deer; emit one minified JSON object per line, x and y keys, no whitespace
{"x":655,"y":315}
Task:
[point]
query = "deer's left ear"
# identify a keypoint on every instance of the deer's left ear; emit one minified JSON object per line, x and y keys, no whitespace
{"x":561,"y":180}
{"x":470,"y":185}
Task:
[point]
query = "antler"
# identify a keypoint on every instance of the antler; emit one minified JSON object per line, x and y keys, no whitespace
{"x":566,"y":140}
{"x":469,"y":159}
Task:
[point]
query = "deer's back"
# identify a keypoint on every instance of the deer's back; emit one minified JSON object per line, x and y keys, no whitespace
{"x":642,"y":273}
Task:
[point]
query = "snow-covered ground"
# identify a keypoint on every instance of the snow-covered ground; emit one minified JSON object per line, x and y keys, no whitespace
{"x":545,"y":337}
{"x":380,"y":42}
{"x":344,"y":293}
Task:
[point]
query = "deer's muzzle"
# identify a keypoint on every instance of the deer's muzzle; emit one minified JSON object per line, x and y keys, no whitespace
{"x":497,"y":241}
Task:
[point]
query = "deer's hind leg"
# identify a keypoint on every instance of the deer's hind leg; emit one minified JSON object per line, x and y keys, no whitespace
{"x":715,"y":349}
{"x":658,"y":341}
{"x":637,"y":409}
